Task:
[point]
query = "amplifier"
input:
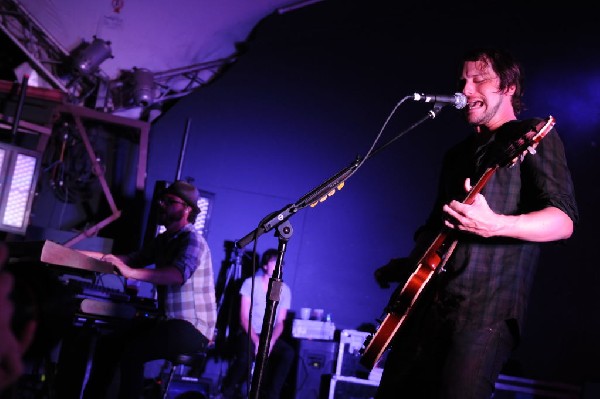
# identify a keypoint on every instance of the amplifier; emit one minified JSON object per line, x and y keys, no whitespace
{"x":351,"y":379}
{"x":316,"y":362}
{"x":348,"y":357}
{"x":341,"y":387}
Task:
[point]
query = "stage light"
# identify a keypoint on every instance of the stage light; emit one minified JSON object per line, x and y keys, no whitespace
{"x":143,"y":86}
{"x":205,"y":203}
{"x":88,"y":58}
{"x":19,"y":169}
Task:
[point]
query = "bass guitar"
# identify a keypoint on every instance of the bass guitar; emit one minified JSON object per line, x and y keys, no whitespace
{"x":437,"y":254}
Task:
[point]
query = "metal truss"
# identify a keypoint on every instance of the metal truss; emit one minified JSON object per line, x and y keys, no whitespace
{"x":43,"y":51}
{"x":52,"y":62}
{"x":178,"y":82}
{"x":167,"y":85}
{"x":46,"y":56}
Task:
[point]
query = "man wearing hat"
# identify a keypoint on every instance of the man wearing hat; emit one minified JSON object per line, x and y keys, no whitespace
{"x":183,"y":276}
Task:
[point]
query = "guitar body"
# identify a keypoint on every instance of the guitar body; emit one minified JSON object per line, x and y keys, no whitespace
{"x":402,"y":302}
{"x":404,"y":298}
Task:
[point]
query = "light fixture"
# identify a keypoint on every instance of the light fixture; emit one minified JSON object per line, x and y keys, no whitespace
{"x":19,"y":170}
{"x":87,"y":58}
{"x":205,"y":203}
{"x":143,"y":87}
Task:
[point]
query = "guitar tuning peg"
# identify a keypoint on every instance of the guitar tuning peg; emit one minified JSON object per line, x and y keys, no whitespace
{"x":531,"y":150}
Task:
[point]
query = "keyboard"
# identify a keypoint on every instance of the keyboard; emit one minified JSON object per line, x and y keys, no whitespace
{"x":86,"y":289}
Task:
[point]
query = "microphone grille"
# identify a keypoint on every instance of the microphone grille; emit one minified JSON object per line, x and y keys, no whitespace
{"x":461,"y":100}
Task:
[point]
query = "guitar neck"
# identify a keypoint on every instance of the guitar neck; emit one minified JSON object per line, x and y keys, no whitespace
{"x":476,"y":189}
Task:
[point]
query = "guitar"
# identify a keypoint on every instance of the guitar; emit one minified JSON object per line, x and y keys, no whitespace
{"x":437,"y":254}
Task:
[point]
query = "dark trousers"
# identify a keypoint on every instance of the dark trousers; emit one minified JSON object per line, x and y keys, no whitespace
{"x":443,"y":364}
{"x":275,"y":372}
{"x":127,"y":349}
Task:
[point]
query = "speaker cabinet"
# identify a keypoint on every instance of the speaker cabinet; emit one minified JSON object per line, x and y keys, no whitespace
{"x":316,"y":364}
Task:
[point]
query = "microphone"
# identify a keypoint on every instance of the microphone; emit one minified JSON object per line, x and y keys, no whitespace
{"x":459,"y":100}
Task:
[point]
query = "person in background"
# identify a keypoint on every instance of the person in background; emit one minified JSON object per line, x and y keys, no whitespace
{"x":35,"y":312}
{"x":12,"y":347}
{"x":280,"y":353}
{"x":455,"y":343}
{"x":183,"y":275}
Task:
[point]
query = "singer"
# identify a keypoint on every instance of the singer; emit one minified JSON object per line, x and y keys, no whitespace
{"x":468,"y":320}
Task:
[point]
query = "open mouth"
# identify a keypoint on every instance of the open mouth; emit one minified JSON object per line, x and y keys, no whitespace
{"x":475,"y":104}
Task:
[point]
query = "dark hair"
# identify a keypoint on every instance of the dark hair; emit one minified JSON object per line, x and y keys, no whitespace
{"x":268,"y":255}
{"x":508,"y":69}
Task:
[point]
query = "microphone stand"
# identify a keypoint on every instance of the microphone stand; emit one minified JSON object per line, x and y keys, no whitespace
{"x":284,"y":232}
{"x":279,"y":219}
{"x":431,"y":114}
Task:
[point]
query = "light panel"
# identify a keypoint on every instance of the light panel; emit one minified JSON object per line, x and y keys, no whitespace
{"x":205,"y":205}
{"x":19,"y":169}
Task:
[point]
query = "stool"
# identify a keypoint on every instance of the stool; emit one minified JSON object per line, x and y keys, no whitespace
{"x":185,"y":359}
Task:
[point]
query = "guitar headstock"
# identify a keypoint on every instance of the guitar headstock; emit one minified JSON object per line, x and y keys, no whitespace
{"x":526,"y":143}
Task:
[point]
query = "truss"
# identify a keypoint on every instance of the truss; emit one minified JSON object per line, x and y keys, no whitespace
{"x":168,"y":85}
{"x":43,"y":51}
{"x":178,"y":82}
{"x":50,"y":60}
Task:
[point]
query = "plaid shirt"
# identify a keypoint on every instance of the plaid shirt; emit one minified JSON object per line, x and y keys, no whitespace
{"x":194,"y":300}
{"x":489,"y":280}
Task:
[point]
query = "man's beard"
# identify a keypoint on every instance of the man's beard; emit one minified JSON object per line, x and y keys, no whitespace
{"x":166,"y":218}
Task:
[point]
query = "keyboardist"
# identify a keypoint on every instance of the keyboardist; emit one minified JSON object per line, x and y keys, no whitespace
{"x":183,"y":276}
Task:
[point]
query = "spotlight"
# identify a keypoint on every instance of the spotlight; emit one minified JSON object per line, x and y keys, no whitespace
{"x":143,"y":86}
{"x":89,"y":58}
